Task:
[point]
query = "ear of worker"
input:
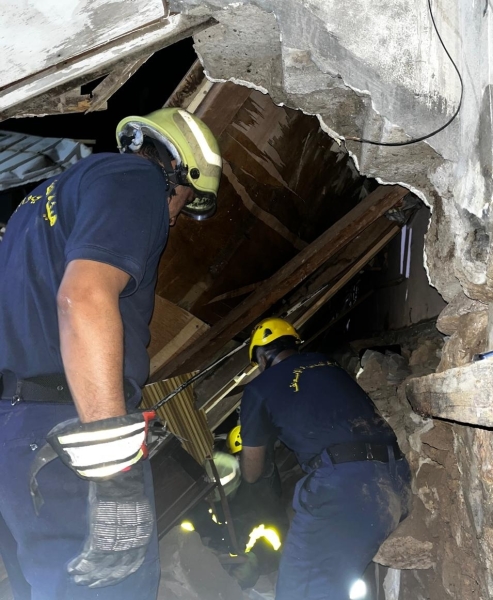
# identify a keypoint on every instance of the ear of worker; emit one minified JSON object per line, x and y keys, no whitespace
{"x":121,"y":519}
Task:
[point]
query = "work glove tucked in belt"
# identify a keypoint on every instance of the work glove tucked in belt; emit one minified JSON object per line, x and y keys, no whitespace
{"x":120,"y":516}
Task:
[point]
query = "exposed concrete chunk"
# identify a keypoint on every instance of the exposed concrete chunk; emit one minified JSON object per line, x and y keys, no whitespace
{"x":450,"y":318}
{"x":469,"y":339}
{"x":463,"y":394}
{"x":403,"y":550}
{"x":250,"y":44}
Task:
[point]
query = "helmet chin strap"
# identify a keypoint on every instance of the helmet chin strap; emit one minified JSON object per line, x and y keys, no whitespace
{"x":174,"y":176}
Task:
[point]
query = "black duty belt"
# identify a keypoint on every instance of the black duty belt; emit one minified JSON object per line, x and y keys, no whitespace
{"x":43,"y":388}
{"x":358,"y":451}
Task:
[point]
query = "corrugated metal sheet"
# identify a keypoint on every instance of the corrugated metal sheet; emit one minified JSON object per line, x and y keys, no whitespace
{"x":27,"y":158}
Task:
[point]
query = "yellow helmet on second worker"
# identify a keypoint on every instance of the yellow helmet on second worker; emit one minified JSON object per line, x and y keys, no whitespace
{"x":233,"y":441}
{"x":190,"y":142}
{"x":269,"y":330}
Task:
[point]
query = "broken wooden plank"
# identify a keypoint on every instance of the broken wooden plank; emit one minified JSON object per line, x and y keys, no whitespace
{"x":100,"y":61}
{"x":172,"y":329}
{"x":188,"y":87}
{"x":192,"y":331}
{"x":114,"y":81}
{"x":220,"y":412}
{"x":69,"y":102}
{"x":333,"y":269}
{"x":341,"y":273}
{"x":291,"y":274}
{"x":350,"y":273}
{"x":463,"y":394}
{"x":246,"y":289}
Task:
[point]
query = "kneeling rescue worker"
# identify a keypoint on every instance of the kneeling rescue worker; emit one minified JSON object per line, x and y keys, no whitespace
{"x":357,"y":484}
{"x":78,"y":267}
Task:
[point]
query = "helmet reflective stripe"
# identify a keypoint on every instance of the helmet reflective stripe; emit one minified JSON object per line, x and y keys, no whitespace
{"x":191,"y":143}
{"x":210,"y":156}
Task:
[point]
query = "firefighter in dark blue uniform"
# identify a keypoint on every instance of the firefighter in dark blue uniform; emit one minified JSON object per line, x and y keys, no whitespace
{"x":357,"y":484}
{"x":78,"y":266}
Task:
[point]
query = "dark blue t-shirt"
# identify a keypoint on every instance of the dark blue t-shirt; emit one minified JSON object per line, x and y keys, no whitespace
{"x":108,"y":208}
{"x":310,"y":404}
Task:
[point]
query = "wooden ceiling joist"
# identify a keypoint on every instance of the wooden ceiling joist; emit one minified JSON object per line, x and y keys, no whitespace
{"x":284,"y":280}
{"x":114,"y":81}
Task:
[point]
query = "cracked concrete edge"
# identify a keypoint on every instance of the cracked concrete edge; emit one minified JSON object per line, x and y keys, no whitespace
{"x":340,"y":141}
{"x":434,"y":179}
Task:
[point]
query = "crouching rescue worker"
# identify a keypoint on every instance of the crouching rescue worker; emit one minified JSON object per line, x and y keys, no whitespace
{"x":357,"y":483}
{"x":78,"y":265}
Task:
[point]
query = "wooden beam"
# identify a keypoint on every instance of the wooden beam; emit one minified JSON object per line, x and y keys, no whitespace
{"x":382,"y":231}
{"x":172,"y":329}
{"x":289,"y":276}
{"x":333,"y":269}
{"x":188,"y":87}
{"x":69,"y":102}
{"x":220,"y":412}
{"x":114,"y":81}
{"x":243,"y":291}
{"x":192,"y":329}
{"x":350,"y":273}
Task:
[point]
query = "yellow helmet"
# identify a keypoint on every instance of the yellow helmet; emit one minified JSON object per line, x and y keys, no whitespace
{"x":190,"y":142}
{"x":269,"y":330}
{"x":233,"y":441}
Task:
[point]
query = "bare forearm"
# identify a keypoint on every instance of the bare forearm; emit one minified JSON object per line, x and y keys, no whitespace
{"x":91,"y":342}
{"x":252,"y":463}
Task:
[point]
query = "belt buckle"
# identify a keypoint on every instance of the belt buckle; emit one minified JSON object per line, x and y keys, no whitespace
{"x":369,"y":454}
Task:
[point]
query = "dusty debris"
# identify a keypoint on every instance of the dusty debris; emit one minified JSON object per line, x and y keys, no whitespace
{"x":408,"y":547}
{"x":191,"y":571}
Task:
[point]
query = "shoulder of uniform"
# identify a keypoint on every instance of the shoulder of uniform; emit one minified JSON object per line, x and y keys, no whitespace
{"x":110,"y":163}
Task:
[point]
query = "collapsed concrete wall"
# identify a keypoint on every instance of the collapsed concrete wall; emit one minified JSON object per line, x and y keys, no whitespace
{"x":377,"y":70}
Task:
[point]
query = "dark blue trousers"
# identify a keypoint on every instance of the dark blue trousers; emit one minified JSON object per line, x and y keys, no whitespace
{"x":36,"y":549}
{"x":342,"y":515}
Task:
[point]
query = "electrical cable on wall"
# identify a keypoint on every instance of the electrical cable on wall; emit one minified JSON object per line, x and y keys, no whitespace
{"x":424,"y":137}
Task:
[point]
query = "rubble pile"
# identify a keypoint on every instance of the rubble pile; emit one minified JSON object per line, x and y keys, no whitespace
{"x":444,"y":549}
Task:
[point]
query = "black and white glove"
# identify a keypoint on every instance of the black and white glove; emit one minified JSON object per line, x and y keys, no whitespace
{"x":120,"y":516}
